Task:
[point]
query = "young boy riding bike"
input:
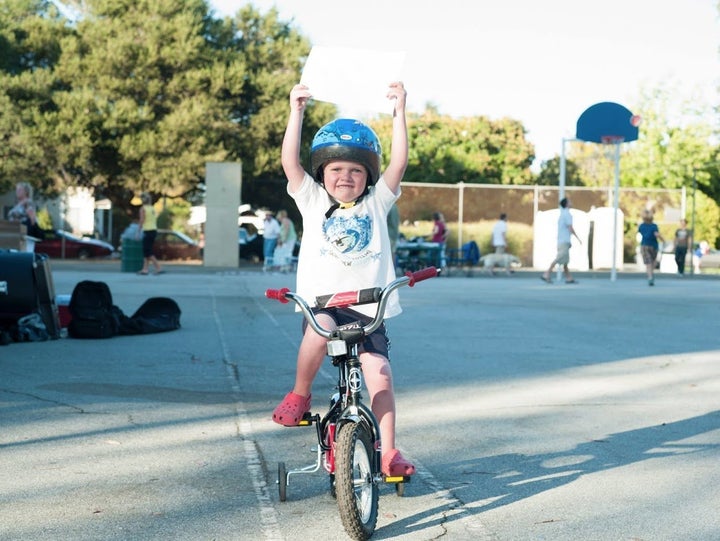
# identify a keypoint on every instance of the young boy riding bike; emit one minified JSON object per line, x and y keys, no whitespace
{"x":344,"y":203}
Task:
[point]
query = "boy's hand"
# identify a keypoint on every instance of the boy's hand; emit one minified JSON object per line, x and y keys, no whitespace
{"x":398,"y":93}
{"x":299,"y":96}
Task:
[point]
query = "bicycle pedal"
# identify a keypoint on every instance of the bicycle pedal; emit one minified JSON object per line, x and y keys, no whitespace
{"x":308,"y":419}
{"x":396,"y":479}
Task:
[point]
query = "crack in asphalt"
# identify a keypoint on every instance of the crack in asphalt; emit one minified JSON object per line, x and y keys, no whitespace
{"x":43,"y":399}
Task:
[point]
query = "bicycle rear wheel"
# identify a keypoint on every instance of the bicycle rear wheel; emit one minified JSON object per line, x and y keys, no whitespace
{"x":357,"y":492}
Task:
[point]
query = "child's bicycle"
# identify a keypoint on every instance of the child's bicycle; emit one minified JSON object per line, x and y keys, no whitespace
{"x":348,"y":434}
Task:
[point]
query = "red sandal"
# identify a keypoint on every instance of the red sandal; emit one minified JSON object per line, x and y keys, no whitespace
{"x":395,"y":465}
{"x":291,"y":410}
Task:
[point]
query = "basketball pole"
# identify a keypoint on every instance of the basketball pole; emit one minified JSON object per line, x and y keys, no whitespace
{"x":616,"y":204}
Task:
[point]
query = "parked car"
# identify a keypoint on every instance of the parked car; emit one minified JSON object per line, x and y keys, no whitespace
{"x":74,"y":247}
{"x":250,"y":243}
{"x":171,"y":245}
{"x":247,"y":216}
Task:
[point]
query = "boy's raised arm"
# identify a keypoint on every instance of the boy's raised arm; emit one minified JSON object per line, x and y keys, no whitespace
{"x":290,"y":155}
{"x":399,"y":146}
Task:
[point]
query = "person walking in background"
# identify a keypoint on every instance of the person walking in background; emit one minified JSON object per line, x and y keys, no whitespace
{"x":499,"y":234}
{"x":649,"y":234}
{"x":147,"y":227}
{"x":682,"y":241}
{"x":565,"y":233}
{"x":271,"y":232}
{"x":282,"y":257}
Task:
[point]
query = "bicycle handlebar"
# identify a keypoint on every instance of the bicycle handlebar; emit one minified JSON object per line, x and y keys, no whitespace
{"x":422,"y":274}
{"x":277,"y":294}
{"x":352,"y":298}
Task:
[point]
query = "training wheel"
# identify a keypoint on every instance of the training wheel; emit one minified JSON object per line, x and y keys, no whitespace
{"x":282,"y":481}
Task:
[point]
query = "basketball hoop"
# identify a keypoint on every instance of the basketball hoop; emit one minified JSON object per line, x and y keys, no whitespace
{"x":610,"y":143}
{"x":611,"y":139}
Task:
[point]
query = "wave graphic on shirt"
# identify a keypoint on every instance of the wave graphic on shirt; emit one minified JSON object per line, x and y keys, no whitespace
{"x":349,"y":236}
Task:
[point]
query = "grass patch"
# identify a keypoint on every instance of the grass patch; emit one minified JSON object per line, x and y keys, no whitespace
{"x":519,"y":236}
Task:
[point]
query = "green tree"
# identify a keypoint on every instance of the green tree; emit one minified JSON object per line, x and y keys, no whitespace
{"x":469,"y":149}
{"x":549,"y":174}
{"x":677,"y":148}
{"x":139,"y":95}
{"x":166,"y":82}
{"x":674,"y":140}
{"x":31,"y":33}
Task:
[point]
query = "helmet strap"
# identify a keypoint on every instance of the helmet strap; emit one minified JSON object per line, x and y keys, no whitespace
{"x":337,"y":205}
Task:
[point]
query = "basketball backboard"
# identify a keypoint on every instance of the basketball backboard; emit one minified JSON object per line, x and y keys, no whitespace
{"x":607,"y":122}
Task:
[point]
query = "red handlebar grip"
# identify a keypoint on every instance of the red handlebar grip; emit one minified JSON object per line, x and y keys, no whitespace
{"x":422,"y":274}
{"x":277,"y":294}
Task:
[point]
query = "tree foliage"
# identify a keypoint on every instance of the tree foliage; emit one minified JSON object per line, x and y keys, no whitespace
{"x":30,"y":46}
{"x":469,"y":149}
{"x":139,"y":95}
{"x":677,"y":148}
{"x":674,"y":141}
{"x":549,"y":174}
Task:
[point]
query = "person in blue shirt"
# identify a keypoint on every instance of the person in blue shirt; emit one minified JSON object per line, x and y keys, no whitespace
{"x":649,"y":234}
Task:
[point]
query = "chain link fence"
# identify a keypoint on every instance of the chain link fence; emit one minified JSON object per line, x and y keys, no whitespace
{"x":463,"y":204}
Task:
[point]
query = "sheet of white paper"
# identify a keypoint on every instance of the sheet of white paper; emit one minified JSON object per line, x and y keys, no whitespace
{"x":356,"y":80}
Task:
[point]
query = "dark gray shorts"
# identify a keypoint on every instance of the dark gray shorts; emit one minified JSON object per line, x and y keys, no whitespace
{"x":649,"y":254}
{"x":377,"y":342}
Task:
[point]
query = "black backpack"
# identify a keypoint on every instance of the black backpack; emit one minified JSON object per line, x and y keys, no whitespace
{"x":91,"y":308}
{"x":157,"y":314}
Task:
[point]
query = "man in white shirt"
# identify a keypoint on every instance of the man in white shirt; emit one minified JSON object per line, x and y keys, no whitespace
{"x":271,"y":232}
{"x":499,"y":234}
{"x":564,"y":234}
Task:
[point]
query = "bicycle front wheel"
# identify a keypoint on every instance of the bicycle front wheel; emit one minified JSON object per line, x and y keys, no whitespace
{"x":357,"y":493}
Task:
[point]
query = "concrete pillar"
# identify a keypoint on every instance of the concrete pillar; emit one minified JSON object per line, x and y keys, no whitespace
{"x":222,"y":199}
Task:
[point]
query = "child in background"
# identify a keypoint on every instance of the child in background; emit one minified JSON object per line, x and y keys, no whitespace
{"x":649,"y":245}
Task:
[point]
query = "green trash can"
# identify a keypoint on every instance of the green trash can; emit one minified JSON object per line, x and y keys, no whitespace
{"x":132,"y":255}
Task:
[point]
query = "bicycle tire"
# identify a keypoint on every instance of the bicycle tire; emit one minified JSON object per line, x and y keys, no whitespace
{"x":282,"y":481}
{"x":356,"y":490}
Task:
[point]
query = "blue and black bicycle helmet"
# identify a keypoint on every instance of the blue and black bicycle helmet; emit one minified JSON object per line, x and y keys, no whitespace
{"x":346,"y":139}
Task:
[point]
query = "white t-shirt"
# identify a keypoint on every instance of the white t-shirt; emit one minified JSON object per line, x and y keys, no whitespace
{"x":498,"y":235}
{"x":564,"y":224}
{"x":271,"y":229}
{"x":348,"y":251}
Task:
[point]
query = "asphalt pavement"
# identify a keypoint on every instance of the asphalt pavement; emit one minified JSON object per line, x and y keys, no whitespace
{"x":533,"y":411}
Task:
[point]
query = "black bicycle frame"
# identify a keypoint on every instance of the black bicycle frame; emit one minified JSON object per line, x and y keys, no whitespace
{"x":350,"y":408}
